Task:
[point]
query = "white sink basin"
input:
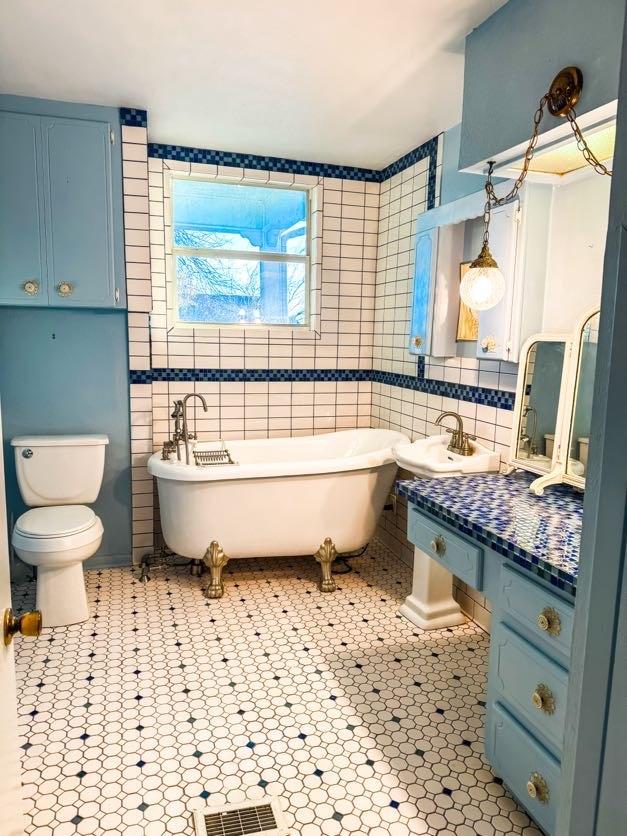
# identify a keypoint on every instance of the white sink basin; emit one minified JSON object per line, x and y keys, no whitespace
{"x":429,"y":457}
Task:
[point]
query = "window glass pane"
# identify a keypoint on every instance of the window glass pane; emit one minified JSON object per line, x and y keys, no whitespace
{"x":230,"y":216}
{"x":240,"y":291}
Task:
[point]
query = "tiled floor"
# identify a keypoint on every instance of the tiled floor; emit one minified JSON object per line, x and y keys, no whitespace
{"x":165,"y":701}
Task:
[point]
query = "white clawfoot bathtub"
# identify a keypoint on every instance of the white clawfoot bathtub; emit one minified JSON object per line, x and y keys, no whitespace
{"x":283,"y":497}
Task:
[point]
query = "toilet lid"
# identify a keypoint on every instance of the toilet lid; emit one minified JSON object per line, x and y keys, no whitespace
{"x":55,"y":521}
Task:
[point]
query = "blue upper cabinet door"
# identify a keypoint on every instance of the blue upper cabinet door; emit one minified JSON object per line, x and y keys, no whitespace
{"x":23,"y":279}
{"x":79,"y":213}
{"x":422,"y":300}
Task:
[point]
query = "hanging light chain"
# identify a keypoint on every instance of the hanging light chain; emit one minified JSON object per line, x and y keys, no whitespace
{"x":582,"y":145}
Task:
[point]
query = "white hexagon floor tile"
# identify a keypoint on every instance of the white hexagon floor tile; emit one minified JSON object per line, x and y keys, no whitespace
{"x":164,"y":701}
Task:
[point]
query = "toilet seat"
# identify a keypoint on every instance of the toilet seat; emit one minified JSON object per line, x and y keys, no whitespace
{"x":56,"y":528}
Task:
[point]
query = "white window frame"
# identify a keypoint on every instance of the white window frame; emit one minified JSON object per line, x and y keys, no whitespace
{"x":173,"y":251}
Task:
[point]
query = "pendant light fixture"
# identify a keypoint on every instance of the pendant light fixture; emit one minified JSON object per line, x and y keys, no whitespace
{"x":483,"y":285}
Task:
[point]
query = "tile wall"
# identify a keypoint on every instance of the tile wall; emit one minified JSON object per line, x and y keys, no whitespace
{"x":273,"y":383}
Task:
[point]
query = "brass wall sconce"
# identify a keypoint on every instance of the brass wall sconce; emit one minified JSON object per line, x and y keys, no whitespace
{"x":483,"y":285}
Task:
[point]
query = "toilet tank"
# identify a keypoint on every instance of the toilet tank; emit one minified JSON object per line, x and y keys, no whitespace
{"x":59,"y":469}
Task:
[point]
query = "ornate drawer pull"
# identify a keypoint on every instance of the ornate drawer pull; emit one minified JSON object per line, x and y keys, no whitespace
{"x":31,"y":287}
{"x":538,"y":788}
{"x":417,"y":341}
{"x":438,"y":545}
{"x":543,"y":699}
{"x":65,"y":288}
{"x":549,"y":621}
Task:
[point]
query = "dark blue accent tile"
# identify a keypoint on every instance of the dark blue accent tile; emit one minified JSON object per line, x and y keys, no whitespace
{"x":256,"y":161}
{"x":134,"y":117}
{"x":284,"y":164}
{"x":472,"y":394}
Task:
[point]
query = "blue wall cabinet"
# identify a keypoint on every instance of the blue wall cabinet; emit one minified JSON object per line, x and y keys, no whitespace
{"x":60,"y":206}
{"x":23,"y":277}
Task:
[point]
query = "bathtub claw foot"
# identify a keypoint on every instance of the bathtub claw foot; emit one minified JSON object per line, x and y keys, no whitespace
{"x":215,"y":559}
{"x":325,"y":556}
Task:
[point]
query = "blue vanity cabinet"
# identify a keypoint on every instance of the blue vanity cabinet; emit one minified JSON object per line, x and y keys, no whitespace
{"x":61,"y":227}
{"x":23,"y":272}
{"x":529,"y":662}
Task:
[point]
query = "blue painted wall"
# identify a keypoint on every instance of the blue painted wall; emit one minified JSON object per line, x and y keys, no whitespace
{"x":455,"y":184}
{"x":65,"y":371}
{"x":512,"y":57}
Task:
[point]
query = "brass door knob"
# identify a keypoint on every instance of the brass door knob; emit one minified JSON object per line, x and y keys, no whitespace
{"x":27,"y":624}
{"x":65,"y":289}
{"x":543,"y":699}
{"x":438,"y":544}
{"x":417,"y":341}
{"x":31,"y":287}
{"x":549,"y":621}
{"x":538,"y":788}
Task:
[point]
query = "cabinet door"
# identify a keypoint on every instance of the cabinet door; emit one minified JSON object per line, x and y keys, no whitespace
{"x":79,"y":218}
{"x":422,"y":300}
{"x":495,"y":324}
{"x":23,"y":278}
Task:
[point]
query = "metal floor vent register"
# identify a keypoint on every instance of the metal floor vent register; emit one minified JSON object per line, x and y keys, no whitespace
{"x":239,"y":819}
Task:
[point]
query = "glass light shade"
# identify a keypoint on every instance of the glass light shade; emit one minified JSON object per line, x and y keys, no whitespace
{"x":483,"y":285}
{"x":482,"y":288}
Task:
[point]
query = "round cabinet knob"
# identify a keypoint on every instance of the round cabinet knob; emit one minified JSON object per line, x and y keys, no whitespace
{"x":65,"y":289}
{"x":543,"y":699}
{"x":31,"y":287}
{"x":27,"y":624}
{"x":538,"y":788}
{"x":438,"y":545}
{"x":549,"y":621}
{"x":417,"y":341}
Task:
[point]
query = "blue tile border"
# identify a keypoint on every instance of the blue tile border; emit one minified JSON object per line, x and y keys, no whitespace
{"x":240,"y":160}
{"x":345,"y":172}
{"x":472,"y":394}
{"x":134,"y":117}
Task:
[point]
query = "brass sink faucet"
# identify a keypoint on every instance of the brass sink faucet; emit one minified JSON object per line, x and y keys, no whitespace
{"x":460,"y":440}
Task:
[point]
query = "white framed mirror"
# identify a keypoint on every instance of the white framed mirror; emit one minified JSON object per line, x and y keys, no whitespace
{"x":539,"y":407}
{"x":551,"y":426}
{"x":581,"y":403}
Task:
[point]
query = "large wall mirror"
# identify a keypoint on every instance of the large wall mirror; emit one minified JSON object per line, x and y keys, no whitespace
{"x":553,"y":409}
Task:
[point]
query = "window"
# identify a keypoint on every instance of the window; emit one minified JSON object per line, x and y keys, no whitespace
{"x":240,"y":253}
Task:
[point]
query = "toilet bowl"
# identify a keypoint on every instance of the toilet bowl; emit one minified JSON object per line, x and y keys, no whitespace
{"x":57,"y":539}
{"x":57,"y":475}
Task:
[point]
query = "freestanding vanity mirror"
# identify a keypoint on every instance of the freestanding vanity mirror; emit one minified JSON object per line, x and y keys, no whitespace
{"x":579,"y":423}
{"x":553,"y":407}
{"x":537,"y":418}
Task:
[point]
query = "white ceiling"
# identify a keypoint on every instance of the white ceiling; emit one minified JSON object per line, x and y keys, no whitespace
{"x":357,"y":82}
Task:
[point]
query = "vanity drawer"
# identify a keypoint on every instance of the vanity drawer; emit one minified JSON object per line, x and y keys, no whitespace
{"x":531,"y":773}
{"x":547,"y":617}
{"x":460,"y":557}
{"x":530,"y":683}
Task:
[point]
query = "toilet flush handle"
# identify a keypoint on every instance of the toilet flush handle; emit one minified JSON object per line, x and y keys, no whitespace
{"x":27,"y":453}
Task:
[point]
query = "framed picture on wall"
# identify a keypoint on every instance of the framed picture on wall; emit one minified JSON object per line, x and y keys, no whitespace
{"x":467,"y":322}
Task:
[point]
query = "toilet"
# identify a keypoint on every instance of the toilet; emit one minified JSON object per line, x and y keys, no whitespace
{"x":57,"y":475}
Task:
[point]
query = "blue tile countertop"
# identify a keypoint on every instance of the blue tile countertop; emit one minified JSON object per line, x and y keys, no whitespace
{"x":540,"y":533}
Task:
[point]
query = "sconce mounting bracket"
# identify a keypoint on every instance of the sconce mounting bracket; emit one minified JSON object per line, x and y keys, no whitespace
{"x":565,"y":91}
